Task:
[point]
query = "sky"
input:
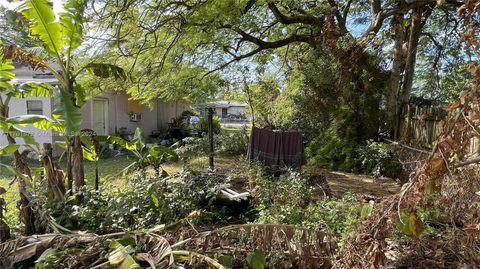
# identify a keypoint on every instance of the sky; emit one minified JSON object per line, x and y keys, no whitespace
{"x":57,"y":4}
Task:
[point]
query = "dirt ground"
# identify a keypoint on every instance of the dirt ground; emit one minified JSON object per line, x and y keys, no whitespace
{"x":341,"y":182}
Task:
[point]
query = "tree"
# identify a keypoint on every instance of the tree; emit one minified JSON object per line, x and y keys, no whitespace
{"x":216,"y":34}
{"x":10,"y":32}
{"x":57,"y":43}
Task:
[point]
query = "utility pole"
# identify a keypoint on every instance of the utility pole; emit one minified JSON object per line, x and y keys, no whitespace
{"x":210,"y":139}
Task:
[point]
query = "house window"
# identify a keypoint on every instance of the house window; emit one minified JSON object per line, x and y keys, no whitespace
{"x":224,"y":112}
{"x":34,"y":107}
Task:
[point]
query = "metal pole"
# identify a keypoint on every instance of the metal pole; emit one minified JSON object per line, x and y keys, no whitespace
{"x":210,"y":138}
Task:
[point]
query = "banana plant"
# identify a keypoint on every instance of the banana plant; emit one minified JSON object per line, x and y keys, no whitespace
{"x":58,"y":41}
{"x":144,"y":156}
{"x":91,"y":152}
{"x":9,"y":127}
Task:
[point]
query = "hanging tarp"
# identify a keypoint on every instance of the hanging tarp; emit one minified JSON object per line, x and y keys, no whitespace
{"x":275,"y":149}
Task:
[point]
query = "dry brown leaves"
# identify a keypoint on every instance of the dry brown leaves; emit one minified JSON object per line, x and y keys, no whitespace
{"x":22,"y":56}
{"x":302,"y":247}
{"x":448,"y":168}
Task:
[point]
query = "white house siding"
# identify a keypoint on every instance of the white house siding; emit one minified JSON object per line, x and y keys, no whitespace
{"x":19,"y":107}
{"x":236,"y":110}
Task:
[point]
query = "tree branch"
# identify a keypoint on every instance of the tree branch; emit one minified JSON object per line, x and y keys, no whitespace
{"x":310,"y":20}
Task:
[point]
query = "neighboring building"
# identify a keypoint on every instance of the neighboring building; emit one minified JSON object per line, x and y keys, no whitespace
{"x":227,"y":110}
{"x":106,"y":114}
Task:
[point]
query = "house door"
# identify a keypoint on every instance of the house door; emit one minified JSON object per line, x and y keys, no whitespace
{"x":224,"y":112}
{"x":99,"y":116}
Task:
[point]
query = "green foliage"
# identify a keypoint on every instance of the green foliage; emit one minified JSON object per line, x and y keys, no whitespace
{"x":67,"y":113}
{"x":42,"y":24}
{"x":103,"y":70}
{"x":143,"y":156}
{"x":140,"y":204}
{"x":337,"y":107}
{"x":256,"y":259}
{"x":379,"y":159}
{"x":410,"y":224}
{"x":233,"y":141}
{"x":71,"y":22}
{"x":262,"y":96}
{"x":202,"y":125}
{"x":49,"y":258}
{"x":288,"y":200}
{"x":227,"y":142}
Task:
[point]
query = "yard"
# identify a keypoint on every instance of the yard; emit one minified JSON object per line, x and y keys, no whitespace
{"x":230,"y":134}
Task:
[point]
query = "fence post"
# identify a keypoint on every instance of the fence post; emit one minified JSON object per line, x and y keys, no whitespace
{"x":210,"y":139}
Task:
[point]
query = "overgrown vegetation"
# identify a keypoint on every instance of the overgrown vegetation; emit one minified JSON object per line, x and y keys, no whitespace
{"x":345,"y":73}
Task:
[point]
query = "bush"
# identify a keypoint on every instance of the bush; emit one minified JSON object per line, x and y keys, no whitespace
{"x":233,"y":142}
{"x":379,"y":159}
{"x":202,"y":125}
{"x":289,"y":200}
{"x":140,"y":204}
{"x":226,"y":142}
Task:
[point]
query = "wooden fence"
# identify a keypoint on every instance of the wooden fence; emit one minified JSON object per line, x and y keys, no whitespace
{"x":420,"y":125}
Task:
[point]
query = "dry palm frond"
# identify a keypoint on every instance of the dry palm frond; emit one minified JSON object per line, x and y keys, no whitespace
{"x":87,"y":249}
{"x":194,"y":258}
{"x":306,"y":248}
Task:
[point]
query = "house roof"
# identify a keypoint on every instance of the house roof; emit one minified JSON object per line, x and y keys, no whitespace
{"x":225,"y":104}
{"x":24,"y":74}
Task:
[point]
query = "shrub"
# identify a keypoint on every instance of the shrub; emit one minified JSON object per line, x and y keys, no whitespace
{"x":234,"y":142}
{"x":226,"y":142}
{"x":138,"y":205}
{"x":379,"y":159}
{"x":289,"y":200}
{"x":202,"y":125}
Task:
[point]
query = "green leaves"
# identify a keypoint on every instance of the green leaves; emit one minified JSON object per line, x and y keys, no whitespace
{"x":410,"y":224}
{"x":256,"y":259}
{"x":105,"y":70}
{"x":33,"y":90}
{"x":144,"y":156}
{"x":367,"y":209}
{"x":121,"y":142}
{"x":42,"y":24}
{"x":27,"y":119}
{"x":9,"y":149}
{"x":120,"y":256}
{"x":68,"y":114}
{"x":6,"y":66}
{"x":71,"y":21}
{"x":139,"y":139}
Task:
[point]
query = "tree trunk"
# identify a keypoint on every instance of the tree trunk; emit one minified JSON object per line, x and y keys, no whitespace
{"x":77,"y":163}
{"x":54,"y":177}
{"x":393,"y":107}
{"x":413,"y":39}
{"x":26,"y":216}
{"x":69,"y":166}
{"x":26,"y":212}
{"x":4,"y":229}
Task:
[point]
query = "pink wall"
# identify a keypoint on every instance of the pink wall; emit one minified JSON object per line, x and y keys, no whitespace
{"x":118,"y":115}
{"x":154,"y":118}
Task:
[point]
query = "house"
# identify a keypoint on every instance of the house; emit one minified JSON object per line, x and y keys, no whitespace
{"x":106,"y":114}
{"x":228,"y":111}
